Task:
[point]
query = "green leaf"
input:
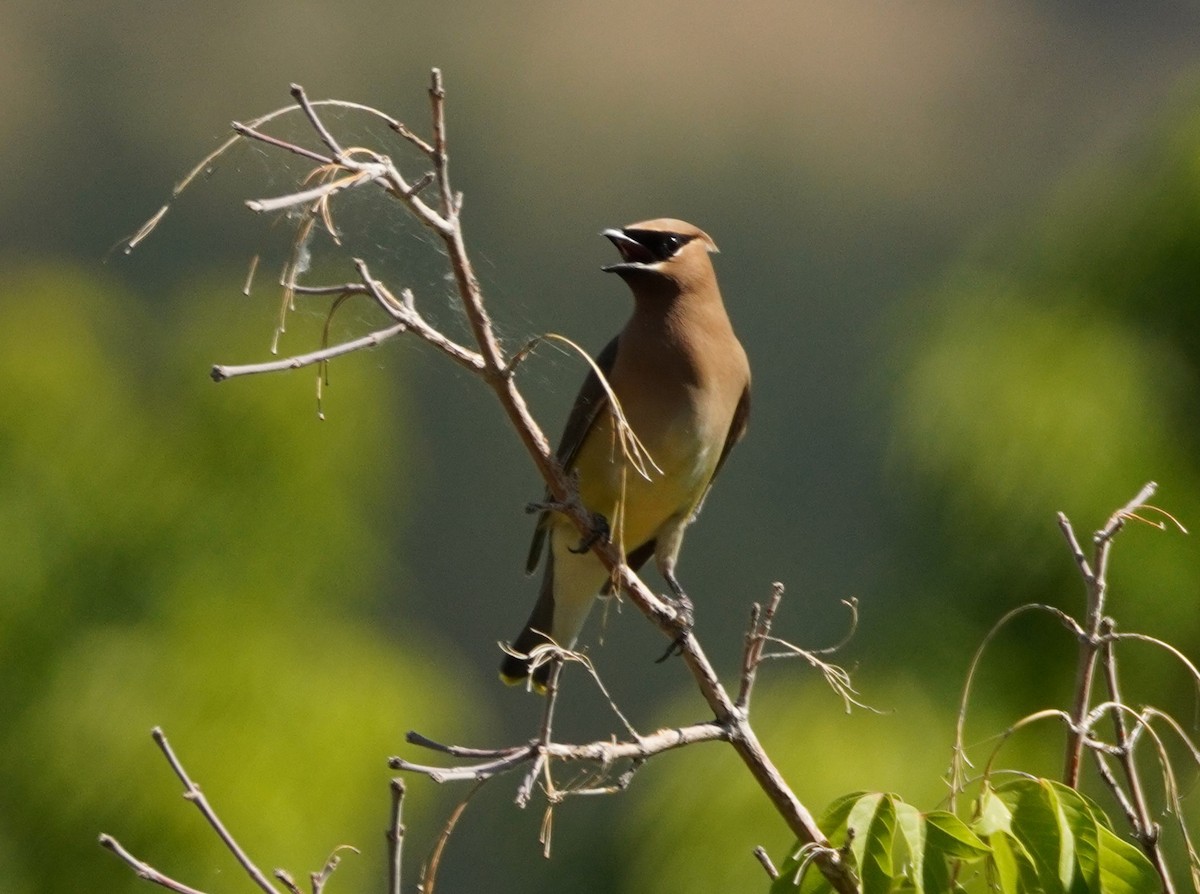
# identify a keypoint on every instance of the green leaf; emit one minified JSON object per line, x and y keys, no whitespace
{"x":994,"y":814}
{"x":1124,"y":869}
{"x":911,"y":825}
{"x":1011,"y":865}
{"x":1058,"y":841}
{"x":946,"y":838}
{"x":837,"y":815}
{"x":877,"y":841}
{"x":1077,"y":817}
{"x":833,"y":823}
{"x":1037,"y":823}
{"x":858,"y":811}
{"x":952,"y":837}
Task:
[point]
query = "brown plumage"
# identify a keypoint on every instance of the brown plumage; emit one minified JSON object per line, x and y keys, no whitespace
{"x":683,"y":382}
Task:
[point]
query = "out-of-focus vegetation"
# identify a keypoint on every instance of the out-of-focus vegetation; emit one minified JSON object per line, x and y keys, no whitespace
{"x":180,"y":556}
{"x":1053,"y":368}
{"x":286,"y":597}
{"x":1056,"y":369}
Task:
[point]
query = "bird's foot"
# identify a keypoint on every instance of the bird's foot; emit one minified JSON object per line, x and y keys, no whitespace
{"x":599,"y":531}
{"x":546,"y":505}
{"x":685,"y":620}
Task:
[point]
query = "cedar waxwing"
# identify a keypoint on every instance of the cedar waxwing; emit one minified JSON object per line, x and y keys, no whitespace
{"x":683,"y":382}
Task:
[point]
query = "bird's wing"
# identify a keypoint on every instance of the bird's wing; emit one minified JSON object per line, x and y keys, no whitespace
{"x":737,"y":428}
{"x":589,"y":404}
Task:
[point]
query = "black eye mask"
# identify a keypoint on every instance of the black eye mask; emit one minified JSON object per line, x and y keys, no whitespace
{"x":661,"y":245}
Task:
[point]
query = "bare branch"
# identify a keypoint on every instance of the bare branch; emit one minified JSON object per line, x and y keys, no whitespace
{"x":441,"y":162}
{"x":252,"y":133}
{"x":221,"y":372}
{"x":327,"y":138}
{"x":405,"y":311}
{"x":760,"y":854}
{"x":1109,"y":778}
{"x":251,"y":130}
{"x":405,"y":132}
{"x":756,"y":637}
{"x":320,"y":877}
{"x":395,"y":837}
{"x":1144,"y":827}
{"x":192,"y":793}
{"x":1095,"y":579}
{"x":606,"y":752}
{"x":132,"y":242}
{"x":1117,"y":520}
{"x":415,"y":738}
{"x":145,"y":870}
{"x":285,"y":878}
{"x":429,"y":871}
{"x":324,"y":191}
{"x":837,"y":677}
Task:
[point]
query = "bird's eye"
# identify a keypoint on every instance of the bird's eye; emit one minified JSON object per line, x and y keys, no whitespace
{"x":664,"y":245}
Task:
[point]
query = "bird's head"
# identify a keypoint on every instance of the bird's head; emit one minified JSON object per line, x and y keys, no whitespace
{"x":665,"y":250}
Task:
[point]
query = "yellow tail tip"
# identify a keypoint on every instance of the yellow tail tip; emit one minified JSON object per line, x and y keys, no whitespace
{"x":522,"y":680}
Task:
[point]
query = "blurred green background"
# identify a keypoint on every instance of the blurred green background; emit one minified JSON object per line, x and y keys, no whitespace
{"x":961,"y":243}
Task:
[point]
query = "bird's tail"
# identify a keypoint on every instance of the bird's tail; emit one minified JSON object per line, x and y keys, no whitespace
{"x":570,"y":584}
{"x":517,"y":664}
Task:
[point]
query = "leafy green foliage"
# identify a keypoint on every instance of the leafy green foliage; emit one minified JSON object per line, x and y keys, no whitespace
{"x":891,"y":844}
{"x":1028,"y":835}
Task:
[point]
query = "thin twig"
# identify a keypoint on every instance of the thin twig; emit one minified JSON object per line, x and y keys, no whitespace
{"x":837,"y":677}
{"x":327,"y":138}
{"x":756,"y":637}
{"x":959,"y":761}
{"x":760,"y":854}
{"x":1029,"y":719}
{"x":415,"y":738}
{"x":604,"y":752}
{"x":1192,"y":670}
{"x":1142,"y":828}
{"x":406,"y":132}
{"x":285,"y":879}
{"x":429,"y":871}
{"x":323,"y":191}
{"x":395,"y":837}
{"x":405,"y":311}
{"x":612,"y":704}
{"x":250,"y":130}
{"x":250,"y":276}
{"x":851,"y":629}
{"x":1095,"y":578}
{"x":221,"y":372}
{"x":1109,"y":778}
{"x":145,"y":870}
{"x":525,"y":790}
{"x":441,"y":161}
{"x":321,"y":877}
{"x":192,"y":793}
{"x":252,"y":133}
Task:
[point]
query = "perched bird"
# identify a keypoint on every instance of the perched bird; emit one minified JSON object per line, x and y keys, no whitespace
{"x":683,"y":381}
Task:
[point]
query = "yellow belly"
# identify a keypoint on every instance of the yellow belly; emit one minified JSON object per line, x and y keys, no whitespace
{"x":678,"y":465}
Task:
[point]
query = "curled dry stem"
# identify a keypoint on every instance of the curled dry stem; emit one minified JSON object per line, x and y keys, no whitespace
{"x":958,"y":776}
